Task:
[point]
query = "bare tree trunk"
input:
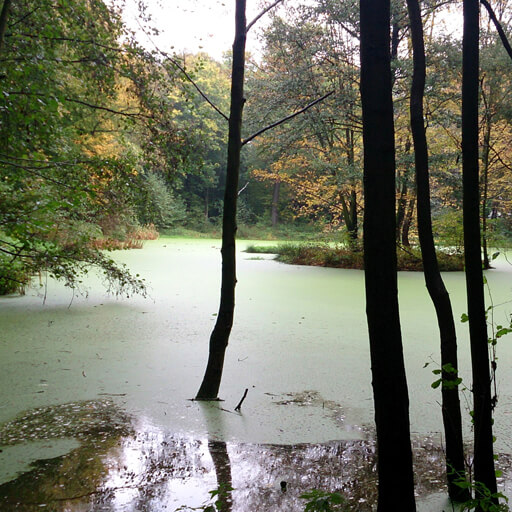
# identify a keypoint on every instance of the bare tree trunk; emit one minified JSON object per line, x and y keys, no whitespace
{"x":401,"y":208}
{"x":3,"y":21}
{"x":452,"y":420}
{"x":406,"y":227}
{"x":275,"y":203}
{"x":483,"y":438}
{"x":394,"y":454}
{"x":485,"y":185}
{"x":219,"y":338}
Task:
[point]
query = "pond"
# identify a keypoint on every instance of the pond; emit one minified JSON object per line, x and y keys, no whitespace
{"x":97,"y":390}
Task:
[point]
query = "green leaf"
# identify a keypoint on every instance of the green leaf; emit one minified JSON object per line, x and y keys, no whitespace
{"x":503,"y":331}
{"x":436,"y":383}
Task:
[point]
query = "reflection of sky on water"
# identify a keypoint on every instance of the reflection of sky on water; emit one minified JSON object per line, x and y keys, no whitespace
{"x":129,"y":464}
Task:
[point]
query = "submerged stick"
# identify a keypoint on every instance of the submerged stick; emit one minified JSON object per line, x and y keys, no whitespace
{"x":239,"y":406}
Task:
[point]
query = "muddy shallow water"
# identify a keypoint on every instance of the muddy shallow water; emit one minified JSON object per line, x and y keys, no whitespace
{"x":95,"y":391}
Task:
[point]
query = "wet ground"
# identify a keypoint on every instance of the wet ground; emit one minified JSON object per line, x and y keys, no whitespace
{"x":94,"y":392}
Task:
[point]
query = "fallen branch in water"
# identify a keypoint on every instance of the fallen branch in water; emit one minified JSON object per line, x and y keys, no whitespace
{"x":239,"y":406}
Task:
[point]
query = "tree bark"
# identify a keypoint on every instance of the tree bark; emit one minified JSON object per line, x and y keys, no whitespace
{"x":452,"y":420}
{"x":394,"y":454}
{"x":485,"y":179}
{"x":220,"y":336}
{"x":275,"y":203}
{"x":483,"y":438}
{"x":406,"y":227}
{"x":3,"y":21}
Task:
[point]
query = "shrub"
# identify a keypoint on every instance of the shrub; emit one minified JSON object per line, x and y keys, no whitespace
{"x":158,"y":205}
{"x":339,"y":256}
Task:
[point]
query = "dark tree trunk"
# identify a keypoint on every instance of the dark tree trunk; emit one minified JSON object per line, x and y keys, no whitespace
{"x":449,"y":390}
{"x":483,"y":449}
{"x":3,"y":21}
{"x":352,"y":226}
{"x":219,"y":338}
{"x":394,"y":455}
{"x":353,"y":215}
{"x":275,"y":203}
{"x":350,"y":216}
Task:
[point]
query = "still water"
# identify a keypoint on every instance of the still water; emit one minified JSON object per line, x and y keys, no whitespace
{"x":94,"y":390}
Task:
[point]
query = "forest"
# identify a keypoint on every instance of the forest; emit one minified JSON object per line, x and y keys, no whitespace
{"x":371,"y":135}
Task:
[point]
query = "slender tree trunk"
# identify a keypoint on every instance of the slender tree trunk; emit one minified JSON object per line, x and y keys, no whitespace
{"x":219,"y":338}
{"x":349,"y":216}
{"x":406,"y":227}
{"x":483,"y":438}
{"x":353,"y":215}
{"x":3,"y":21}
{"x":401,"y":208}
{"x":452,"y":420}
{"x":275,"y":203}
{"x":352,"y":226}
{"x":394,"y":454}
{"x":485,"y":187}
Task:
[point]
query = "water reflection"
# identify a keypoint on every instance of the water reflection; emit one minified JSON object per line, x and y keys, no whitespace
{"x":127,"y":464}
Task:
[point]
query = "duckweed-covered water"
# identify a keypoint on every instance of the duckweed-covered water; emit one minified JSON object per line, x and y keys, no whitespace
{"x":94,"y":399}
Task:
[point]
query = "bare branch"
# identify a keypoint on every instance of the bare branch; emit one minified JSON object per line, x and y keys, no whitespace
{"x":287,"y":118}
{"x":262,"y":13}
{"x":498,"y":26}
{"x":196,"y":87}
{"x":239,"y":406}
{"x":85,"y":103}
{"x":34,"y":170}
{"x":243,"y":188}
{"x":184,"y":72}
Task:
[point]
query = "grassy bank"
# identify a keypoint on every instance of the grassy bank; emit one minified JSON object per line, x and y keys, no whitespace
{"x":338,"y":256}
{"x":309,"y":232}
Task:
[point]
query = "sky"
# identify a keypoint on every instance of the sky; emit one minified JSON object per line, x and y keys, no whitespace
{"x":192,"y":25}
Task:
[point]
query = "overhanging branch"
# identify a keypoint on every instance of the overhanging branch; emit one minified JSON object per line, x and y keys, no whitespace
{"x":262,"y":13}
{"x":287,"y":118}
{"x":498,"y":26}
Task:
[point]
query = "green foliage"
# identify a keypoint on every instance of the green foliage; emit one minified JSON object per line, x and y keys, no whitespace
{"x":447,"y":228}
{"x":483,"y":499}
{"x":448,"y":377}
{"x":322,"y":501}
{"x":158,"y":205}
{"x":13,"y":276}
{"x":61,"y":175}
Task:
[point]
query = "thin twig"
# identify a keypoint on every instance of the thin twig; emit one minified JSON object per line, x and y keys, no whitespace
{"x":287,"y":118}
